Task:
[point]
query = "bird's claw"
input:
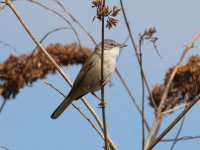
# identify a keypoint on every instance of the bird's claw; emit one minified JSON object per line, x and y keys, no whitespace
{"x":102,"y":105}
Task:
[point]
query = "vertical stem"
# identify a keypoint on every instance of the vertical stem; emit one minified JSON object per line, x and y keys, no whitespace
{"x":142,"y":79}
{"x":136,"y":52}
{"x":102,"y":85}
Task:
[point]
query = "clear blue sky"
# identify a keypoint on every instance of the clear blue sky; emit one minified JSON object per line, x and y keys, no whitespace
{"x":25,"y":122}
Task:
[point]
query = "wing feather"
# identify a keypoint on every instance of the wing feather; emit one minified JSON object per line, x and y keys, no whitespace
{"x":81,"y":75}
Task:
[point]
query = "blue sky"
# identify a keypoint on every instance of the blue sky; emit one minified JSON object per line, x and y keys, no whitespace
{"x":25,"y":121}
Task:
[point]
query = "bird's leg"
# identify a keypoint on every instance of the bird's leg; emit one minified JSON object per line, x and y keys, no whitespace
{"x":101,"y":105}
{"x":98,"y":98}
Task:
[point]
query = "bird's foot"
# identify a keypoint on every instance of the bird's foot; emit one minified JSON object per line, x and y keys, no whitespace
{"x":102,"y":105}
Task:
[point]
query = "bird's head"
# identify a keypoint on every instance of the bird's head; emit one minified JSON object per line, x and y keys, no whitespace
{"x":109,"y":45}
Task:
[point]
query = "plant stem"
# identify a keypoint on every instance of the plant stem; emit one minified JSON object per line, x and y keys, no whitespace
{"x":174,"y":122}
{"x":102,"y":85}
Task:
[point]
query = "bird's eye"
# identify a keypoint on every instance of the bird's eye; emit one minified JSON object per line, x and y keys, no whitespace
{"x":111,"y":44}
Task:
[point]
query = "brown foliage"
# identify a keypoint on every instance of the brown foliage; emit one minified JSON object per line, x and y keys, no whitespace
{"x":184,"y":87}
{"x":19,"y":71}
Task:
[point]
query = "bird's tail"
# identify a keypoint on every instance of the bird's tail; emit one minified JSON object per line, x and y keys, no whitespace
{"x":60,"y":109}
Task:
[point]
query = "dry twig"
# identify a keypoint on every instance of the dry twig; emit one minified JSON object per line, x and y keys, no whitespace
{"x":136,"y":50}
{"x":61,"y":16}
{"x":78,"y":109}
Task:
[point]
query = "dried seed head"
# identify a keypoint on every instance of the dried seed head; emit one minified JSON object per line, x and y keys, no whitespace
{"x":19,"y":71}
{"x":97,"y":3}
{"x":111,"y":22}
{"x":115,"y":11}
{"x":106,"y":11}
{"x":184,"y":87}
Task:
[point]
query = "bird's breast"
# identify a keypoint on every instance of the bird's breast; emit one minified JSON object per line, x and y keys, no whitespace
{"x":94,"y":75}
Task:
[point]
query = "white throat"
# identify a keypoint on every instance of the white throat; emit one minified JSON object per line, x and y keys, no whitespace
{"x":114,"y":52}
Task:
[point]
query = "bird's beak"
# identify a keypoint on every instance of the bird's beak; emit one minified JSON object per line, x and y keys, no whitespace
{"x":122,"y":45}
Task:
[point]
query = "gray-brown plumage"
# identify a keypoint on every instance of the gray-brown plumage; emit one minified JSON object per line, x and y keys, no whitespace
{"x":89,"y":77}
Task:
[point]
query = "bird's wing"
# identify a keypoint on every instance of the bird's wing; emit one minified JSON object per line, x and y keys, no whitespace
{"x":79,"y":79}
{"x":83,"y":72}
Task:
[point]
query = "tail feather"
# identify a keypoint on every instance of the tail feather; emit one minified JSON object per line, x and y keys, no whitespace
{"x":60,"y":109}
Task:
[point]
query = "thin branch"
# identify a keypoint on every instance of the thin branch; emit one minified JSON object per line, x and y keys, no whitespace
{"x":10,"y":4}
{"x":9,"y":46}
{"x":52,"y":31}
{"x":4,"y":147}
{"x":2,"y":7}
{"x":2,"y":105}
{"x":80,"y":25}
{"x":180,"y":116}
{"x":143,"y":90}
{"x":132,"y":97}
{"x":130,"y":94}
{"x":45,"y":36}
{"x":154,"y":125}
{"x":78,"y":109}
{"x":102,"y":85}
{"x":158,"y":127}
{"x":95,"y":95}
{"x":184,"y":138}
{"x":60,"y":15}
{"x":178,"y":133}
{"x":136,"y":51}
{"x":112,"y":145}
{"x":61,"y":5}
{"x":176,"y":108}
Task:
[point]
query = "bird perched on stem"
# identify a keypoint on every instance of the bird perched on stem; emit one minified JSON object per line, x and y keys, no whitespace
{"x":89,"y":77}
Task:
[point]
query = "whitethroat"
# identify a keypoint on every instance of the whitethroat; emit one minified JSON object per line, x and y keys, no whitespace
{"x":89,"y":77}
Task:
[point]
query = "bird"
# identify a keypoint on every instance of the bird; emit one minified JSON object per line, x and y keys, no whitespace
{"x":89,"y":77}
